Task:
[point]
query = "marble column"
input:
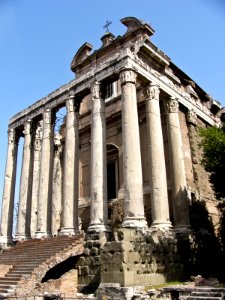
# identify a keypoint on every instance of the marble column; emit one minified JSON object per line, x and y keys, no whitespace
{"x":45,"y":180}
{"x":23,"y":222}
{"x":36,"y":176}
{"x":99,"y":204}
{"x":179,"y":185}
{"x":133,"y":198}
{"x":9,"y":189}
{"x":57,"y":186}
{"x":71,"y":169}
{"x":157,"y":167}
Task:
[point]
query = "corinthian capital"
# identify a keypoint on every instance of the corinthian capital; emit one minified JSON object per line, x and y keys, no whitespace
{"x":70,"y":104}
{"x":172,"y":105}
{"x":38,"y":136}
{"x":27,"y":127}
{"x":151,"y":92}
{"x":95,"y":90}
{"x":192,"y":117}
{"x":47,"y":116}
{"x":11,"y":136}
{"x":128,"y":75}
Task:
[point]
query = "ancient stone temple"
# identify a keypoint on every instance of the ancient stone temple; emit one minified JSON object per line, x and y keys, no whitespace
{"x":124,"y":169}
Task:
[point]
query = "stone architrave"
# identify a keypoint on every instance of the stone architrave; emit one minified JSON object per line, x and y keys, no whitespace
{"x":179,"y":184}
{"x":71,"y":170}
{"x":57,"y":186}
{"x":23,"y":222}
{"x":157,"y":167}
{"x":9,"y":189}
{"x":99,"y":205}
{"x":133,"y":198}
{"x":45,"y":179}
{"x":36,"y":176}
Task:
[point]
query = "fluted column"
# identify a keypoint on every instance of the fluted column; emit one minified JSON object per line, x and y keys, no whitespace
{"x":23,"y":222}
{"x":133,"y":197}
{"x":9,"y":189}
{"x":36,"y":176}
{"x":99,"y":205}
{"x":179,"y":185}
{"x":71,"y":169}
{"x":157,"y":167}
{"x":45,"y":180}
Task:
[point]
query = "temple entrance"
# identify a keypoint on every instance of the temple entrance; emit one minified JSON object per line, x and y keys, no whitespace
{"x":111,"y":180}
{"x":112,"y":172}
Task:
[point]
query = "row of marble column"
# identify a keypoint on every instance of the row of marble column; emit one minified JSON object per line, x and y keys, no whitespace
{"x":37,"y":166}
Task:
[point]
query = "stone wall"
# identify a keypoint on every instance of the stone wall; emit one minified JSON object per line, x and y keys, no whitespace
{"x":66,"y":285}
{"x":89,"y":263}
{"x":140,"y":258}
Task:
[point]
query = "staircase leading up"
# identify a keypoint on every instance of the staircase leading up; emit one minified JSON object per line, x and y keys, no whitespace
{"x":25,"y":256}
{"x":196,"y":293}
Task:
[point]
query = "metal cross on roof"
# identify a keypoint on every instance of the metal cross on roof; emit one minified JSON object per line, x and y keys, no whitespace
{"x":107,"y":25}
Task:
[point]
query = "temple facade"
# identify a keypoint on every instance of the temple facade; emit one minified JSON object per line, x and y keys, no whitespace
{"x":126,"y":156}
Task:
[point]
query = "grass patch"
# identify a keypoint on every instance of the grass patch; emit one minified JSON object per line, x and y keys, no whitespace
{"x":162,"y":285}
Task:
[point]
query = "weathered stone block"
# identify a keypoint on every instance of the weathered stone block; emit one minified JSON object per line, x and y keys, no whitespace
{"x":112,"y":247}
{"x":96,"y":261}
{"x":81,"y":261}
{"x":94,"y":251}
{"x":86,"y":251}
{"x":132,"y":257}
{"x":89,"y":260}
{"x":83,"y":270}
{"x":96,"y":244}
{"x":88,"y":244}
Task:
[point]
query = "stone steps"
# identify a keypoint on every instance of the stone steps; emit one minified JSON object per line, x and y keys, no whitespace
{"x":203,"y":298}
{"x":197,"y":293}
{"x":12,"y":274}
{"x":205,"y":295}
{"x":25,"y":256}
{"x":22,"y":271}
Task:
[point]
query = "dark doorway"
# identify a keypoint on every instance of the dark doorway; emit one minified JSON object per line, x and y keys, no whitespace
{"x":111,"y":180}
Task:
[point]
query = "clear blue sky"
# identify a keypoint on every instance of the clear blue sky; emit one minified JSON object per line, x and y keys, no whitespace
{"x":38,"y":39}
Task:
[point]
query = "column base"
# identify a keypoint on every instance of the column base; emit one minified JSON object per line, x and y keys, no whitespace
{"x":161,"y":225}
{"x":181,"y":228}
{"x":69,"y":231}
{"x":42,"y":234}
{"x":96,"y":228}
{"x":22,"y":237}
{"x":6,"y":241}
{"x":134,"y":223}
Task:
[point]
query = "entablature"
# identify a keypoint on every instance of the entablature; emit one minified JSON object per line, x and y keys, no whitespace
{"x":133,"y":50}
